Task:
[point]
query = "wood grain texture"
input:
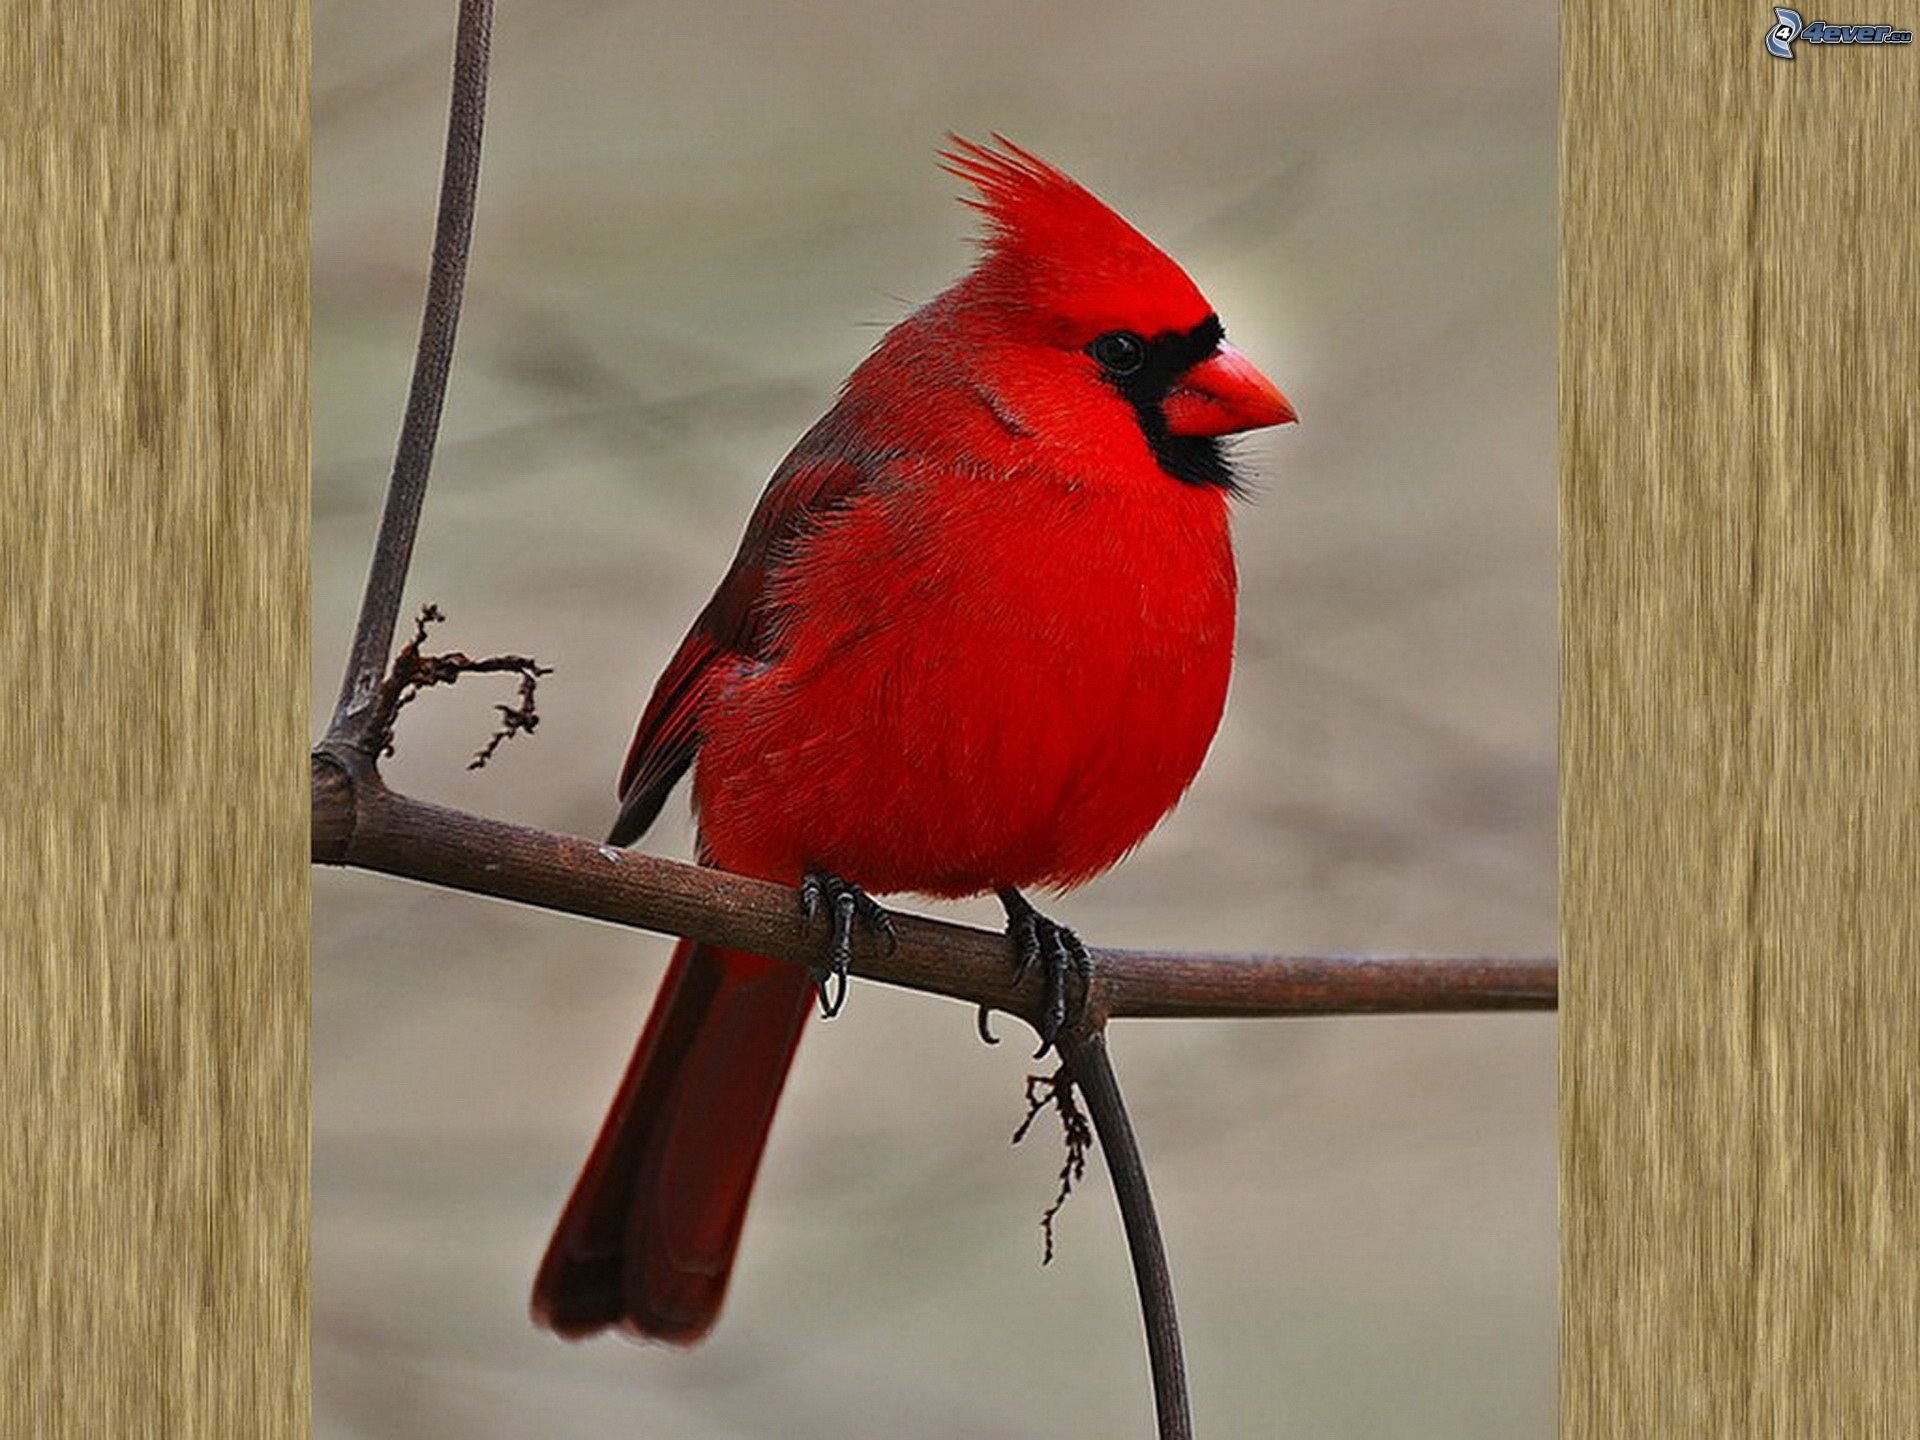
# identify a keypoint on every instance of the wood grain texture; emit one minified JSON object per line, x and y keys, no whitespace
{"x":153,"y":988}
{"x":1739,"y":730}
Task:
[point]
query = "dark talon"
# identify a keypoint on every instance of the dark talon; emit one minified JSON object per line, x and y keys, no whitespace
{"x":1021,"y":929}
{"x":850,"y":905}
{"x":983,"y":1020}
{"x":829,"y":1007}
{"x":1034,"y":937}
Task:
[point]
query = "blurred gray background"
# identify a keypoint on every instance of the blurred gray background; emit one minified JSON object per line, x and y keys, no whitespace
{"x":690,"y":217}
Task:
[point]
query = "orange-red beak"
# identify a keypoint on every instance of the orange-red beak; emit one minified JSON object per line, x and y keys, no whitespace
{"x":1223,"y":395}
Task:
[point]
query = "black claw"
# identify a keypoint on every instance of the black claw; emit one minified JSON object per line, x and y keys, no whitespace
{"x":1058,"y":950}
{"x":850,"y":905}
{"x":822,"y":986}
{"x":983,"y":1020}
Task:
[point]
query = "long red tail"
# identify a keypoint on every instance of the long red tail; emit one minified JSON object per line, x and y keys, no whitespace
{"x":648,"y":1236}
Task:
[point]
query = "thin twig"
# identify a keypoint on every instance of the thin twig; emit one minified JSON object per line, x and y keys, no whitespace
{"x":1085,"y":1051}
{"x":415,"y":670}
{"x":1055,"y":1092}
{"x":432,"y":361}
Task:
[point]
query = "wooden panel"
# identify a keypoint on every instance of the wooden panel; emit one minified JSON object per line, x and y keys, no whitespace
{"x":153,"y":885}
{"x":1739,"y":731}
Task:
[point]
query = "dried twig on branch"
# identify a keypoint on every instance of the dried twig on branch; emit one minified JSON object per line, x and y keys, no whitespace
{"x":1055,"y":1092}
{"x":414,"y":670}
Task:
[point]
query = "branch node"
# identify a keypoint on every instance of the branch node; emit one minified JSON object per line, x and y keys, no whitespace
{"x":1055,"y":1092}
{"x":333,"y":811}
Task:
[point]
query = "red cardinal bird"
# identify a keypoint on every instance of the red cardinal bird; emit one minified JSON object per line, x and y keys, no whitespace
{"x":977,"y":638}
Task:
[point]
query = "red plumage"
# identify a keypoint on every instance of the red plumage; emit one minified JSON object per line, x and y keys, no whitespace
{"x":977,"y":635}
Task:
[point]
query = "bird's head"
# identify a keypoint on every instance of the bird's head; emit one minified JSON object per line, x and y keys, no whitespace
{"x":1090,"y":327}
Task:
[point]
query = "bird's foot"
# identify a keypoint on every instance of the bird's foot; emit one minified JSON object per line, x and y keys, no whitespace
{"x":846,"y":904}
{"x":1060,"y":953}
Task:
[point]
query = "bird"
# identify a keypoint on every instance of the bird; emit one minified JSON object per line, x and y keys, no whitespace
{"x":976,"y":640}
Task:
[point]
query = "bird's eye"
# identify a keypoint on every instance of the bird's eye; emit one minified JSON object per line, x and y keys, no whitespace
{"x":1120,"y":352}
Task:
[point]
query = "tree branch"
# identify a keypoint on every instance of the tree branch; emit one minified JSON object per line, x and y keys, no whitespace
{"x":1085,"y":1051}
{"x":358,"y":821}
{"x":432,"y":362}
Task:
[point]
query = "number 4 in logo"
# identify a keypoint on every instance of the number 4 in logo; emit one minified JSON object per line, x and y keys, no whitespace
{"x":1786,"y":28}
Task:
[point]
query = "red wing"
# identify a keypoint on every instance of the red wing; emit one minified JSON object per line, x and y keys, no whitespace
{"x":815,"y":479}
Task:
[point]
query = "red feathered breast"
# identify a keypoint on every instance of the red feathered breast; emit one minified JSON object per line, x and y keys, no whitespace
{"x":979,"y":680}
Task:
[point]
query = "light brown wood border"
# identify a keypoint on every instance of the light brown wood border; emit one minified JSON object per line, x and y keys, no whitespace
{"x":1741,"y":573}
{"x":153,"y":839}
{"x":1740,"y":729}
